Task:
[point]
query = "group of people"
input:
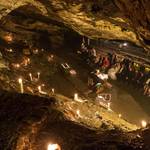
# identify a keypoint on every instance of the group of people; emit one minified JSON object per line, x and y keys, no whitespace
{"x":117,"y":67}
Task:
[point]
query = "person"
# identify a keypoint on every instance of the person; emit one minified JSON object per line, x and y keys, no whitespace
{"x":106,"y":63}
{"x":98,"y":88}
{"x":147,"y":87}
{"x":113,"y":71}
{"x":93,"y":52}
{"x":119,"y":74}
{"x":131,"y":71}
{"x":113,"y":59}
{"x":91,"y":79}
{"x":83,"y":46}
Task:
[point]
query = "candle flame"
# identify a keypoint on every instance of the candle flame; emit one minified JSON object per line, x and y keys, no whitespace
{"x":76,"y":96}
{"x":39,"y":88}
{"x":144,"y":123}
{"x":20,"y":80}
{"x":120,"y":115}
{"x":53,"y":147}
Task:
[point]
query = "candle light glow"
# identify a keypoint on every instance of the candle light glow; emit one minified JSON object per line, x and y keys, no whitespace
{"x":30,"y":75}
{"x":21,"y":85}
{"x":143,"y":123}
{"x":76,"y":96}
{"x":40,"y":91}
{"x":53,"y":147}
{"x":38,"y":74}
{"x":53,"y":90}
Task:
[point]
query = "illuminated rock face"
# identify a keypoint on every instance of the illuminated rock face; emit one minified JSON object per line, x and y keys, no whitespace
{"x":118,"y":19}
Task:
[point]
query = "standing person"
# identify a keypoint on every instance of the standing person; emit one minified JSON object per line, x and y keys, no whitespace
{"x":120,"y":72}
{"x":130,"y":72}
{"x":93,"y":52}
{"x":147,"y":87}
{"x":113,"y":59}
{"x":105,"y":63}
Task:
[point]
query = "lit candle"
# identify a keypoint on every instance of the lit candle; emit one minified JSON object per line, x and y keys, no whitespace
{"x":21,"y":85}
{"x":53,"y":91}
{"x":39,"y":88}
{"x":108,"y":107}
{"x":30,"y":75}
{"x":53,"y":147}
{"x":28,"y":59}
{"x":78,"y":113}
{"x":38,"y":75}
{"x":120,"y":115}
{"x":76,"y":96}
{"x":10,"y":50}
{"x":17,"y":65}
{"x":144,"y":123}
{"x":40,"y":91}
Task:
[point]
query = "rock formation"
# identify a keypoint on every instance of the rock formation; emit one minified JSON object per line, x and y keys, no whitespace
{"x":113,"y":19}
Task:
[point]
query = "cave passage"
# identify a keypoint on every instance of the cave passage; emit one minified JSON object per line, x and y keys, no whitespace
{"x":62,"y":84}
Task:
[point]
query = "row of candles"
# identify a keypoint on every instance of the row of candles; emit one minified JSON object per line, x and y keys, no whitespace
{"x":26,"y":61}
{"x":20,"y":81}
{"x":76,"y":98}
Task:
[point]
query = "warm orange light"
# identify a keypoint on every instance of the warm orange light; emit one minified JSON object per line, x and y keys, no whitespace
{"x":8,"y":38}
{"x":120,"y":115}
{"x":30,"y":75}
{"x":38,"y":74}
{"x":76,"y":96}
{"x":143,"y":123}
{"x":17,"y":66}
{"x":21,"y":85}
{"x":53,"y":147}
{"x":39,"y":88}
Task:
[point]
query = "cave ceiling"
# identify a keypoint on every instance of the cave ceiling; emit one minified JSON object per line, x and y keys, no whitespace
{"x":127,"y":20}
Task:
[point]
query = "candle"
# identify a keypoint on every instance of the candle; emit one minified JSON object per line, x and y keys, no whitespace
{"x":108,"y":107}
{"x":28,"y":60}
{"x":144,"y":123}
{"x":53,"y":91}
{"x":21,"y":85}
{"x":25,"y":62}
{"x":78,"y":113}
{"x":39,"y":88}
{"x":40,"y":91}
{"x":53,"y":147}
{"x":38,"y":75}
{"x":30,"y":75}
{"x":17,"y":65}
{"x":75,"y":96}
{"x":50,"y":58}
{"x":120,"y":115}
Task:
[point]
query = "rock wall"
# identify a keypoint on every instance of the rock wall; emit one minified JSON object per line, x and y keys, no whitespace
{"x":113,"y":19}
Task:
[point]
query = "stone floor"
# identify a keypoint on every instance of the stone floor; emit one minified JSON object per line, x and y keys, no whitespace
{"x":125,"y":101}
